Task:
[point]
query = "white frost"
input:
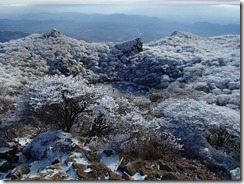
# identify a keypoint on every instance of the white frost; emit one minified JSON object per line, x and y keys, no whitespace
{"x":236,"y":174}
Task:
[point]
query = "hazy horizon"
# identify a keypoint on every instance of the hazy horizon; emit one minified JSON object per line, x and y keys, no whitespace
{"x":222,"y":12}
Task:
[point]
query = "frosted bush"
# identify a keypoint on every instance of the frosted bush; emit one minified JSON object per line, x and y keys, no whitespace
{"x":61,"y":100}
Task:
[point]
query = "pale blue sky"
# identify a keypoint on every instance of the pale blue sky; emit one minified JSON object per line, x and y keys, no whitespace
{"x":27,"y":2}
{"x":222,"y":11}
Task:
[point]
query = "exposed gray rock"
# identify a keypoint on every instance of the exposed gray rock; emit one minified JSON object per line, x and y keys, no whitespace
{"x":54,"y":33}
{"x":19,"y":171}
{"x":128,"y":48}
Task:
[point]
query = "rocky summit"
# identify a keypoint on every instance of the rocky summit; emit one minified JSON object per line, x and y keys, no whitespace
{"x":166,"y":110}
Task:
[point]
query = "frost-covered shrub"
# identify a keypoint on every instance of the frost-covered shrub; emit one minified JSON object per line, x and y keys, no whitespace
{"x":5,"y":105}
{"x":60,"y":100}
{"x":220,"y":138}
{"x":151,"y":146}
{"x":196,"y":123}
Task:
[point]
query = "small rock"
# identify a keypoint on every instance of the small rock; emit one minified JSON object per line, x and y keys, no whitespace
{"x":79,"y":167}
{"x":56,"y":166}
{"x":122,"y":167}
{"x":126,"y":176}
{"x":131,"y":170}
{"x":54,"y":33}
{"x":57,"y":177}
{"x":92,"y":175}
{"x":101,"y":169}
{"x":19,"y":171}
{"x":153,"y":176}
{"x":114,"y":176}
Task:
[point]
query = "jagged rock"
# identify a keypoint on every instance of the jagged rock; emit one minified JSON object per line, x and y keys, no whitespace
{"x":19,"y":171}
{"x":54,"y":33}
{"x":128,"y":48}
{"x":130,"y":169}
{"x":182,"y":34}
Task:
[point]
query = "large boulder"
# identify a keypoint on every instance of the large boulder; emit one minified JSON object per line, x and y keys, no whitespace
{"x":128,"y":48}
{"x":54,"y":33}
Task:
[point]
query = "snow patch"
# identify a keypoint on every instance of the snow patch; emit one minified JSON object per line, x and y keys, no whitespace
{"x":138,"y":176}
{"x":79,"y":158}
{"x":236,"y":174}
{"x":87,"y":170}
{"x":111,"y":162}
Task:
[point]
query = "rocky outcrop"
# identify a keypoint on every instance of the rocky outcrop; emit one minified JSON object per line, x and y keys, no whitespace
{"x":54,"y":33}
{"x":128,"y":48}
{"x":20,"y":171}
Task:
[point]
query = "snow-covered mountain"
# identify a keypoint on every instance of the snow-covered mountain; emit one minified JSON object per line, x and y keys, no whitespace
{"x":204,"y":68}
{"x":190,"y":86}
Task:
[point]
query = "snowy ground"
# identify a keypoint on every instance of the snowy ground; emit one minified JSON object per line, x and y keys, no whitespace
{"x":190,"y":86}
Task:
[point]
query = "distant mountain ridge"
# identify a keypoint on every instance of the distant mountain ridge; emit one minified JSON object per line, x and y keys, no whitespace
{"x":114,"y":27}
{"x":11,"y":35}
